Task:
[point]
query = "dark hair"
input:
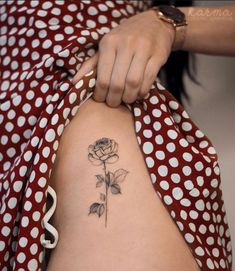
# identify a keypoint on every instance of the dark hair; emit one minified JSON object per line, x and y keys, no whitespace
{"x":178,"y":62}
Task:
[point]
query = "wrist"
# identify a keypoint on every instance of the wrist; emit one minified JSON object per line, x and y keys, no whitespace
{"x":186,"y":30}
{"x":175,"y":18}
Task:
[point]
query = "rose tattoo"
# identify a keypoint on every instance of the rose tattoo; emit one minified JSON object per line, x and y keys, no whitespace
{"x":103,"y":152}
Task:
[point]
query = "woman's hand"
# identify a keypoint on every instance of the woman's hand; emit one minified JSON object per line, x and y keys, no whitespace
{"x":129,"y":58}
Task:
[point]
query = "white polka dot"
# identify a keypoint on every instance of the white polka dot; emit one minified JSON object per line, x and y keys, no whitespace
{"x":12,"y":203}
{"x":138,"y":126}
{"x":36,"y":216}
{"x":189,"y":237}
{"x":188,"y":185}
{"x":23,"y":241}
{"x":199,"y":166}
{"x":150,"y":162}
{"x":193,"y":214}
{"x":147,"y":147}
{"x":28,"y":205}
{"x":153,"y":177}
{"x":170,"y":147}
{"x":185,"y":202}
{"x":159,"y":139}
{"x":157,"y":126}
{"x":168,"y":200}
{"x":160,"y":155}
{"x":215,"y":252}
{"x":210,"y":264}
{"x":34,"y":249}
{"x":147,"y":119}
{"x":154,"y":100}
{"x":2,"y":245}
{"x":174,"y":162}
{"x":7,"y":218}
{"x":172,"y":134}
{"x":34,"y":232}
{"x":50,"y":135}
{"x":156,"y":113}
{"x":163,"y":171}
{"x":175,"y":177}
{"x":177,"y":193}
{"x":17,"y":186}
{"x":72,"y":98}
{"x":32,"y":265}
{"x":187,"y":156}
{"x":164,"y":185}
{"x":200,"y":251}
{"x":200,"y":205}
{"x":147,"y":133}
{"x":187,"y":170}
{"x":173,"y":105}
{"x":137,"y":111}
{"x":43,"y":167}
{"x":21,"y":257}
{"x":38,"y":196}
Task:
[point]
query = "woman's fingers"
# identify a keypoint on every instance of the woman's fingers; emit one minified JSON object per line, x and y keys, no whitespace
{"x":107,"y":54}
{"x":118,"y":77}
{"x":135,"y":76}
{"x":86,"y":66}
{"x":151,"y":71}
{"x":129,"y":59}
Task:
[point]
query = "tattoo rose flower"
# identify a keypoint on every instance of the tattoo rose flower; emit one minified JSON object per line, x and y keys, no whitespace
{"x":104,"y":150}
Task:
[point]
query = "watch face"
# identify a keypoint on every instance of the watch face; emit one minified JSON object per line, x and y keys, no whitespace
{"x":173,"y":13}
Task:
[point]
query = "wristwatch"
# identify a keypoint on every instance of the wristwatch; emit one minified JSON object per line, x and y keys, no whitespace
{"x":176,"y":18}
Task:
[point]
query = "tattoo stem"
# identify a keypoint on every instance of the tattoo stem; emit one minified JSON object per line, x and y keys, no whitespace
{"x":106,"y":196}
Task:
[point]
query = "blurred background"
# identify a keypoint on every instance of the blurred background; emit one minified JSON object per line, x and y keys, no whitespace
{"x":213,"y":109}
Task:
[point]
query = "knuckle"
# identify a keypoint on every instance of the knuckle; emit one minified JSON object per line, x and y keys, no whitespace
{"x":112,"y":102}
{"x":98,"y":97}
{"x":128,"y":98}
{"x":107,"y":39}
{"x":142,"y":93}
{"x":115,"y":88}
{"x":102,"y":84}
{"x":145,"y":43}
{"x":133,"y":82}
{"x":128,"y":40}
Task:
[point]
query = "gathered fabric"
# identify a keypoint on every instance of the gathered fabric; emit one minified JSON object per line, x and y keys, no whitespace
{"x":42,"y":46}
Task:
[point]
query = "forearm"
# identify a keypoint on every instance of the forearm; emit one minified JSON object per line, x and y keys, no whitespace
{"x":210,"y":30}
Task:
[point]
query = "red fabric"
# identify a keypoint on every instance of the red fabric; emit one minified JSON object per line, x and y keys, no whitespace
{"x":43,"y":43}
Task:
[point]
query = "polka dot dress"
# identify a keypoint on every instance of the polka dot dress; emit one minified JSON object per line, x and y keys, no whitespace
{"x":42,"y":46}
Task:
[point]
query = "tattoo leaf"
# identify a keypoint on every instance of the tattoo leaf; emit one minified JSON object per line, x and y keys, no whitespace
{"x":100,"y":210}
{"x":111,"y":175}
{"x":100,"y":177}
{"x":100,"y":180}
{"x":94,"y":207}
{"x":120,"y":175}
{"x":115,"y":189}
{"x":102,"y":196}
{"x":97,"y":208}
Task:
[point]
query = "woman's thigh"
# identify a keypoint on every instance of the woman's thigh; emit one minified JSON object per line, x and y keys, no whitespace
{"x":136,"y":233}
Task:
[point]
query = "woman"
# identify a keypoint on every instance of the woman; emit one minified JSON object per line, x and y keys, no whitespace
{"x":147,"y":198}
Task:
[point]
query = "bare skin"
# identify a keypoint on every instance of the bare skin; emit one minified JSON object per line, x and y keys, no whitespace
{"x":125,"y":72}
{"x":139,"y":234}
